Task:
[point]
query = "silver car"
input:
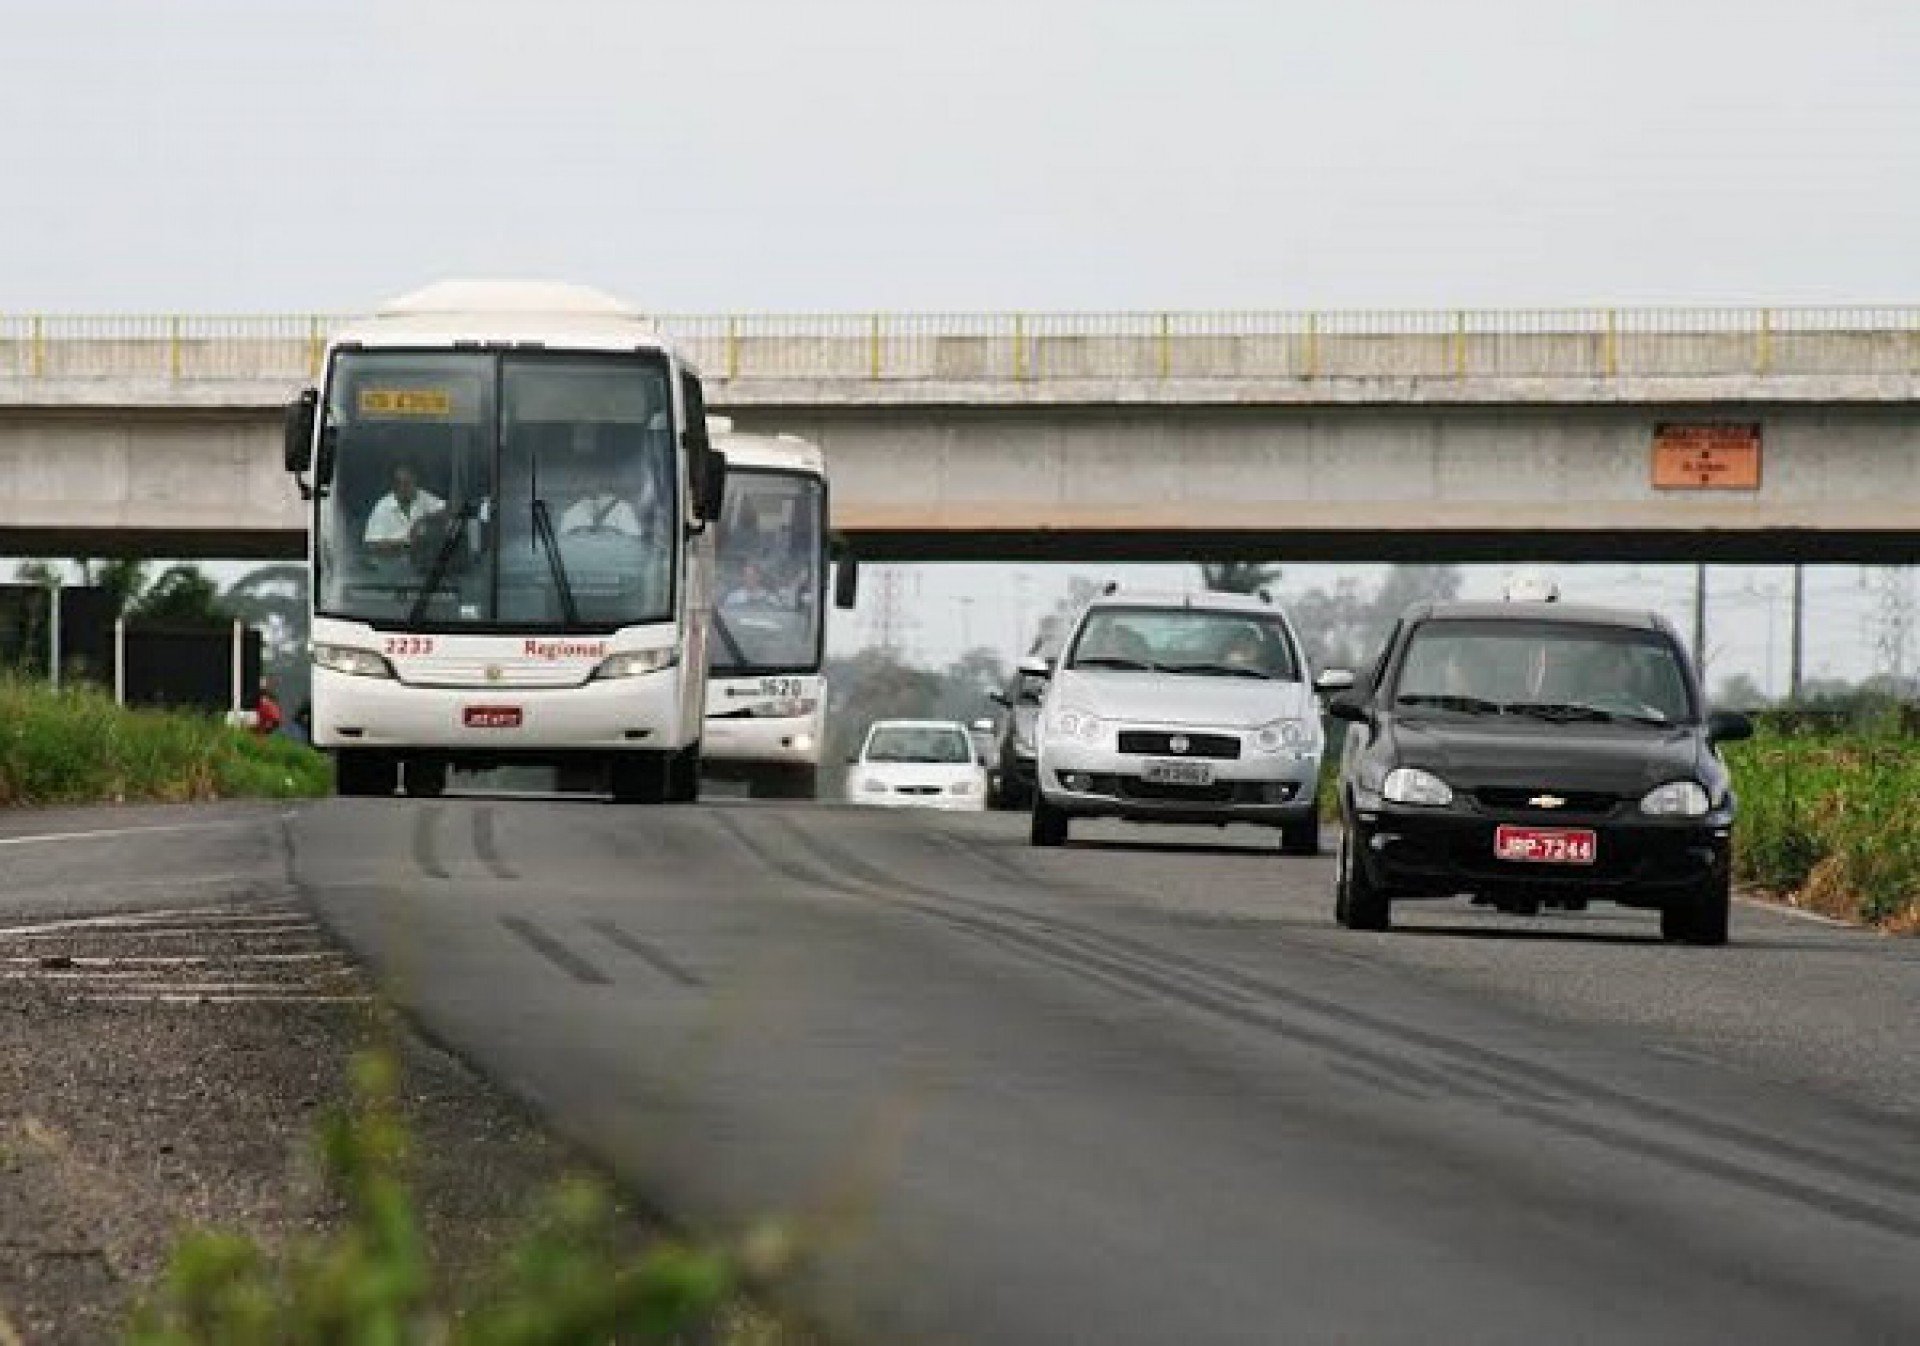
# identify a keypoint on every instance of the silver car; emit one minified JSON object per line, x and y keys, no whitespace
{"x":1182,"y":708}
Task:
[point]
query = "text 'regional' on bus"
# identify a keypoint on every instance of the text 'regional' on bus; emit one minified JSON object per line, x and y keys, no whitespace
{"x":510,"y":485}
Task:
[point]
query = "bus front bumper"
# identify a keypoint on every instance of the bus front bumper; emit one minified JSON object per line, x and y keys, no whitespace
{"x":617,"y":714}
{"x":793,"y":739}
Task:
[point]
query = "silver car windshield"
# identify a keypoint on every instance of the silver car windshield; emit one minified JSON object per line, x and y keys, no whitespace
{"x":1186,"y":640}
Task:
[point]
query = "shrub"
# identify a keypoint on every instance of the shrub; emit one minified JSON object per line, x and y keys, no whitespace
{"x":1828,"y":819}
{"x":76,"y":746}
{"x":567,"y":1283}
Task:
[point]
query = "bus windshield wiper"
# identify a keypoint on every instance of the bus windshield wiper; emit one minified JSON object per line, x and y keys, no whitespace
{"x":1115,"y":661}
{"x":543,"y":529}
{"x":727,"y":638}
{"x":442,"y":558}
{"x":1466,"y":705}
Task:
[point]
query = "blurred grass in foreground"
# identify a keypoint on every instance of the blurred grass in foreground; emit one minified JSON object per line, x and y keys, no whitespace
{"x":571,"y":1279}
{"x":75,"y":746}
{"x":1831,"y":821}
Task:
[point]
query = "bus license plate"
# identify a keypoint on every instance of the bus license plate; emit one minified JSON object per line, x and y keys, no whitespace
{"x":492,"y":717}
{"x":1177,"y":773}
{"x":1544,"y":845}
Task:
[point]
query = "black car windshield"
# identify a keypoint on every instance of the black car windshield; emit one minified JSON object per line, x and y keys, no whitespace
{"x":1555,"y":670}
{"x":919,"y":743}
{"x":1197,"y":641}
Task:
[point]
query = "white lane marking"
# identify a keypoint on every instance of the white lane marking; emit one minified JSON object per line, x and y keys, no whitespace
{"x":174,"y":959}
{"x":175,"y":999}
{"x":156,"y":930}
{"x":148,"y":974}
{"x":1799,"y":913}
{"x":230,"y":913}
{"x":111,"y":833}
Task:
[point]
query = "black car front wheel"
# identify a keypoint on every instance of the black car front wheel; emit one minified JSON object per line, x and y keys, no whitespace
{"x":1701,"y":914}
{"x":1049,"y":823}
{"x":1357,"y":903}
{"x":1302,"y":837}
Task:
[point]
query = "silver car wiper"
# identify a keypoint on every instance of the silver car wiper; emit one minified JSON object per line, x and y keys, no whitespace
{"x":1115,"y":661}
{"x":1212,"y":670}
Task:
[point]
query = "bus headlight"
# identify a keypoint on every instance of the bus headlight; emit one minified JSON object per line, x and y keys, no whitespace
{"x":349,"y":659}
{"x":634,"y":663}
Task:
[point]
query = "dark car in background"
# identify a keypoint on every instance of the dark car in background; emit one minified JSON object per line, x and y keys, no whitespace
{"x":1530,"y":754}
{"x":1010,"y":764}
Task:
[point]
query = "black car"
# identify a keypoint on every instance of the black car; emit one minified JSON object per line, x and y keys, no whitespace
{"x":1011,"y":763}
{"x":1535,"y":754}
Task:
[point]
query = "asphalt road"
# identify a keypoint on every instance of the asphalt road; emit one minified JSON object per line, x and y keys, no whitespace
{"x":1143,"y":1090}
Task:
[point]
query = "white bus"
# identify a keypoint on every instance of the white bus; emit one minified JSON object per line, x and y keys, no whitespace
{"x":510,"y":561}
{"x":766,"y":700}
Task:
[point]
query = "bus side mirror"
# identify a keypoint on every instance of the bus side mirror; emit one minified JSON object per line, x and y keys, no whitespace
{"x":298,"y":432}
{"x":846,"y":581}
{"x":713,"y":485}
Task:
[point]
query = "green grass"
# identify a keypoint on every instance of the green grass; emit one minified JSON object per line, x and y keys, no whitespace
{"x":75,"y":746}
{"x":572,"y":1279}
{"x":1832,"y":821}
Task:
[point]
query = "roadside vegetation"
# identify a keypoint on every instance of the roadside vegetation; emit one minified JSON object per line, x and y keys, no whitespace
{"x":76,"y":746}
{"x":572,"y":1279}
{"x":1828,"y":819}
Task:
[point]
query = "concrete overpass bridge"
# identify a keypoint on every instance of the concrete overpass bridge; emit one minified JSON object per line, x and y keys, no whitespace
{"x":1704,"y":434}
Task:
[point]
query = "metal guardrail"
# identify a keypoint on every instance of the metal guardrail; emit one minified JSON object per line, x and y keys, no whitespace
{"x":1591,"y":344}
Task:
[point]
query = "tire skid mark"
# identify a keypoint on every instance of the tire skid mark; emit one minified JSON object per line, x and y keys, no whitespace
{"x":487,"y":846}
{"x":426,"y":843}
{"x":555,"y":952}
{"x":779,"y":864}
{"x":1543,"y":1094}
{"x":647,"y":953}
{"x":1080,"y":950}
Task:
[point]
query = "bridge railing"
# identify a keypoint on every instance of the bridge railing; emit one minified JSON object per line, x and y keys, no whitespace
{"x":1556,"y":344}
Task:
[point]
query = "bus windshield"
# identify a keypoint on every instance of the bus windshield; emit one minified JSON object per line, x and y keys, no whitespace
{"x":488,"y":490}
{"x":770,"y":553}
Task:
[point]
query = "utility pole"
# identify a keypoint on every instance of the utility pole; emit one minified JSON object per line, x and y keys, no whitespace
{"x":1796,"y":666}
{"x":1700,"y":618}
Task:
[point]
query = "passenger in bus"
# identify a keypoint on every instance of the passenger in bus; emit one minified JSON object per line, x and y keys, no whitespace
{"x":397,"y":514}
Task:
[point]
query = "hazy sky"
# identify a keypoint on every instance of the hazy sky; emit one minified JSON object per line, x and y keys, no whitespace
{"x":249,"y":155}
{"x":706,"y":154}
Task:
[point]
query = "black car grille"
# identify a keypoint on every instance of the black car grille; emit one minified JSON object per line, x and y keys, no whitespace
{"x":1158,"y":742}
{"x":1574,"y":803}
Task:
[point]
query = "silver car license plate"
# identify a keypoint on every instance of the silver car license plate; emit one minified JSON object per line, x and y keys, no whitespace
{"x":1177,"y":773}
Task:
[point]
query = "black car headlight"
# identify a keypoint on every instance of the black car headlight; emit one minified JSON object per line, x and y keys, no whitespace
{"x":1677,"y":799}
{"x":1411,"y":785}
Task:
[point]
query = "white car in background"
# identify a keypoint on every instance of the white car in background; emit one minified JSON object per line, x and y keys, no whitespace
{"x":918,"y":764}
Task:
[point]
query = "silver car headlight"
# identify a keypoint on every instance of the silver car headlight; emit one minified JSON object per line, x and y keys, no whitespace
{"x":1284,"y":736}
{"x":634,"y":663}
{"x":1677,"y":799}
{"x":1072,"y":722}
{"x":350,"y":659}
{"x":1411,"y":785}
